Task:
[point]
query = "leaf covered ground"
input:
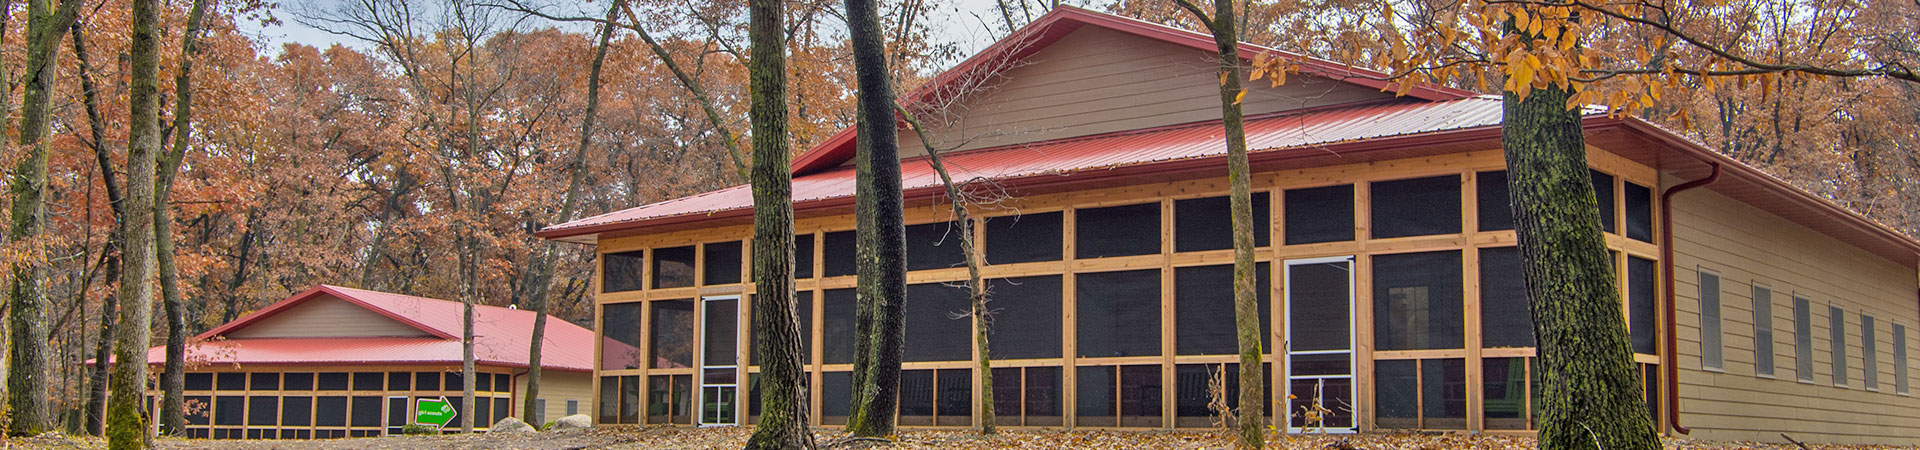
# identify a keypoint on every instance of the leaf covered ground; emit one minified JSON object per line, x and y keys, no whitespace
{"x":622,"y":438}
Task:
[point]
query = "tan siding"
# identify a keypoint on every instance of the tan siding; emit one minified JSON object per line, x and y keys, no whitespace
{"x":557,"y":388}
{"x":1097,"y":80}
{"x":326,"y":317}
{"x":1745,"y":245}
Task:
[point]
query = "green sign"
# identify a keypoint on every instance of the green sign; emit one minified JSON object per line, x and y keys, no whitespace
{"x":436,"y":412}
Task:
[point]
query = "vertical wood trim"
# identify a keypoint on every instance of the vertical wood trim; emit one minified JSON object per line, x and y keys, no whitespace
{"x":1277,"y":307}
{"x":1470,"y":270}
{"x":1069,"y":372}
{"x":1167,"y":335}
{"x":1363,"y":340}
{"x":815,"y":372}
{"x":646,"y":366}
{"x":973,"y":341}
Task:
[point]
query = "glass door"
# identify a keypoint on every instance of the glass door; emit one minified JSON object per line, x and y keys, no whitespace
{"x":1319,"y":345}
{"x":719,"y":361}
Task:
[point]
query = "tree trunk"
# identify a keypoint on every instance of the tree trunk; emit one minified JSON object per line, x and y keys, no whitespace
{"x":126,"y":424}
{"x":1251,"y":423}
{"x":783,"y":386}
{"x":173,"y":419}
{"x":27,"y":316}
{"x":539,"y":284}
{"x":882,"y":280}
{"x":975,"y":286}
{"x":1592,"y":397}
{"x":95,"y":411}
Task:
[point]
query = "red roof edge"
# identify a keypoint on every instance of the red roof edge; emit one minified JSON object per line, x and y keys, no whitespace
{"x":1064,"y":19}
{"x":311,"y":294}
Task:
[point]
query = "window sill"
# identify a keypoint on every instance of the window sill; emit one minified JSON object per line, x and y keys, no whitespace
{"x":1766,"y":376}
{"x":1714,"y":369}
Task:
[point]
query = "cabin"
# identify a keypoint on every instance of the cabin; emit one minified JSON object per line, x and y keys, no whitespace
{"x":334,"y":362}
{"x":1391,"y":289}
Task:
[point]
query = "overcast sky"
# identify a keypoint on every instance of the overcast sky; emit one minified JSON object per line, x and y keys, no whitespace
{"x":959,"y":21}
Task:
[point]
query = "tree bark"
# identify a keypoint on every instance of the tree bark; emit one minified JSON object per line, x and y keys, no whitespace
{"x":539,"y":285}
{"x":783,"y":388}
{"x":173,"y":419}
{"x":28,"y":363}
{"x":882,"y":280}
{"x":126,"y":424}
{"x":1592,"y":397}
{"x":1251,"y":423}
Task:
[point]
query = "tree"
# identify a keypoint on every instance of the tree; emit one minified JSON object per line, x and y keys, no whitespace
{"x":541,"y":277}
{"x":27,"y":360}
{"x":96,"y":406}
{"x":126,"y":423}
{"x":958,"y":200}
{"x":173,"y":418}
{"x":881,"y":284}
{"x":1246,"y":312}
{"x":783,"y":391}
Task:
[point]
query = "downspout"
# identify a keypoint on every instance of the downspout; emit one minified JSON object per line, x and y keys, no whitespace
{"x":1672,"y":357}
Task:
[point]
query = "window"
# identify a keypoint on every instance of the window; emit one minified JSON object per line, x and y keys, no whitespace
{"x":1127,"y":396}
{"x":1024,"y":238}
{"x":1204,"y":310}
{"x":333,"y":381}
{"x":1505,"y":318}
{"x":672,"y":267}
{"x":366,"y":411}
{"x":1026,"y":321}
{"x":1416,"y":207}
{"x":672,"y":334}
{"x":1119,"y":313}
{"x":233,"y":381}
{"x":400,"y":381}
{"x":836,"y":397}
{"x":803,"y":256}
{"x":1030,"y":391}
{"x":934,"y":246}
{"x":1870,"y":357}
{"x":429,"y":381}
{"x":1643,"y":316}
{"x":454,"y":381}
{"x":936,"y":397}
{"x":369,"y":381}
{"x":1508,"y":398}
{"x":1192,"y":393}
{"x":264,"y":381}
{"x":1322,"y":214}
{"x":669,"y":400}
{"x":837,"y":327}
{"x":1710,"y":347}
{"x":1603,"y":193}
{"x":609,"y":400}
{"x":620,"y":326}
{"x":1803,"y":338}
{"x":842,"y":248}
{"x":722,"y":263}
{"x":573,"y":407}
{"x":229,"y":410}
{"x":1416,"y":301}
{"x":298,"y":381}
{"x":622,"y":272}
{"x":1837,"y":329}
{"x":1201,"y":224}
{"x":933,"y":332}
{"x":1117,"y":231}
{"x":198,"y":381}
{"x":1420,"y":393}
{"x":330,"y":411}
{"x":1639,"y":204}
{"x":261,"y":410}
{"x":1900,"y":358}
{"x":1496,"y":205}
{"x":1762,"y":330}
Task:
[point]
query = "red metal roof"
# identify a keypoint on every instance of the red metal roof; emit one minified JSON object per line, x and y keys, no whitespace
{"x":1289,"y":132}
{"x":501,"y":336}
{"x":1063,"y":20}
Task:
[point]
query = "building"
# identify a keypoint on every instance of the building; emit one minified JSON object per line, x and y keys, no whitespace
{"x":339,"y":362}
{"x":1389,"y":279}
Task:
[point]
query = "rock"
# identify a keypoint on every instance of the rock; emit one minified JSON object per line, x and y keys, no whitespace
{"x":511,"y":425}
{"x":573,"y":422}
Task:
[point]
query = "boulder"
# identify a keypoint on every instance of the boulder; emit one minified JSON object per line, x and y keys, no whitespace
{"x":575,"y":421}
{"x":511,"y":425}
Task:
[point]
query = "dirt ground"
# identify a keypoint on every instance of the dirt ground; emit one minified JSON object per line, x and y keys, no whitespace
{"x":622,"y":438}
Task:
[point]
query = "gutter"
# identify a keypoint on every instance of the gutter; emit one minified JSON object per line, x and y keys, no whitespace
{"x":1671,"y":358}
